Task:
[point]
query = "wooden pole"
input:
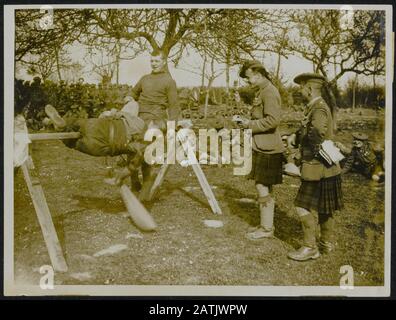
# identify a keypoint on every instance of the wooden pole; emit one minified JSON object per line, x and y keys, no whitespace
{"x":159,"y":179}
{"x":44,"y":217}
{"x":54,"y":136}
{"x":206,"y":189}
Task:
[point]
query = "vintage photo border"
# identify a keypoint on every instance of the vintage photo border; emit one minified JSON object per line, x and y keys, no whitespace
{"x":10,"y":289}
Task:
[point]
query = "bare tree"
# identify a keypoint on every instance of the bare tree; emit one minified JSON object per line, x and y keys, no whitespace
{"x":32,"y":38}
{"x":321,"y":38}
{"x":159,"y":29}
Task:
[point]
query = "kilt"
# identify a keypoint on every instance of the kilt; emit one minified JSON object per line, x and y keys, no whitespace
{"x":267,"y":168}
{"x":323,"y":196}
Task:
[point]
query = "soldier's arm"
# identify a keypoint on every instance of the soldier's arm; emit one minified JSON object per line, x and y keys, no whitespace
{"x":319,"y":123}
{"x":137,"y":89}
{"x":317,"y":131}
{"x":173,"y":100}
{"x":272,"y":113}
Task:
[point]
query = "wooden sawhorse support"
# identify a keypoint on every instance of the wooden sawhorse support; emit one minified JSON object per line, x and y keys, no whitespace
{"x":202,"y":181}
{"x":31,"y":177}
{"x":44,"y":215}
{"x":207,"y":190}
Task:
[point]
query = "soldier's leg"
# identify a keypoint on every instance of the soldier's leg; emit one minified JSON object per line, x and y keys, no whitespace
{"x":309,"y":248}
{"x":147,"y":170}
{"x":57,"y":120}
{"x":64,"y":124}
{"x":267,"y":208}
{"x":133,"y":166}
{"x":326,"y":222}
{"x":148,"y":180}
{"x":135,"y":182}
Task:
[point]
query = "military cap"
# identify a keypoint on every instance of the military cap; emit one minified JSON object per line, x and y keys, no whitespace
{"x":304,"y":77}
{"x":360,"y":136}
{"x":248,"y":65}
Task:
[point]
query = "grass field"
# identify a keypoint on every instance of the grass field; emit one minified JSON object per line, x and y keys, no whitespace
{"x":89,"y":216}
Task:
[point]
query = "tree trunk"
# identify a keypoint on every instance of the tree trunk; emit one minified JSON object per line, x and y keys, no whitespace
{"x":278,"y":65}
{"x":57,"y":65}
{"x":117,"y":70}
{"x":118,"y":54}
{"x":207,"y":96}
{"x":228,"y":58}
{"x":374,"y":83}
{"x":227,"y":78}
{"x":203,"y":71}
{"x":354,"y":93}
{"x":335,"y":67}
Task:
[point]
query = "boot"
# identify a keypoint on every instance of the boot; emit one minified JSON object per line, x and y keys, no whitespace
{"x":57,"y":120}
{"x":266,"y":227}
{"x":326,"y":234}
{"x":309,"y":250}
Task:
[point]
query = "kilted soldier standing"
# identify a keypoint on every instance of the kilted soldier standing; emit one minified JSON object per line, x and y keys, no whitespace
{"x":320,"y":189}
{"x":267,"y":144}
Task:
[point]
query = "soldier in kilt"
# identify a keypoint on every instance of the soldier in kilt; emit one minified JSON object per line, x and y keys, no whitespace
{"x":320,"y":189}
{"x":267,"y":144}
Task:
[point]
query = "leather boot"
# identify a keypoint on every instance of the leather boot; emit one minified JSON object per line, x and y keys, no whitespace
{"x":57,"y":120}
{"x":326,"y":244}
{"x":309,"y":250}
{"x":266,"y":227}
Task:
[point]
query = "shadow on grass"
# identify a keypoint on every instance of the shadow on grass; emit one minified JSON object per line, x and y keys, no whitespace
{"x":105,"y":204}
{"x":246,"y":211}
{"x":167,"y":188}
{"x":287,"y":228}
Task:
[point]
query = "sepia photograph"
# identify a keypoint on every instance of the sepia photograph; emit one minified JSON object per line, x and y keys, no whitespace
{"x":197,"y":150}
